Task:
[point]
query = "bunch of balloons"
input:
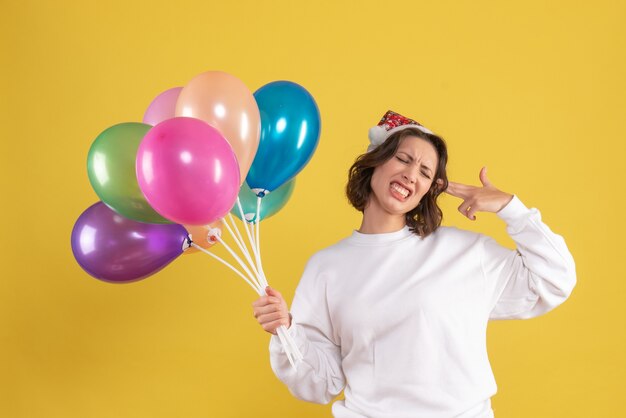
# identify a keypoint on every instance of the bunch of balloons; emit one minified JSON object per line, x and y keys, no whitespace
{"x":202,"y":151}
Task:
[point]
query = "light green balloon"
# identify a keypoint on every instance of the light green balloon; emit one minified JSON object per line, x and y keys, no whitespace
{"x":270,"y":204}
{"x":111,"y":170}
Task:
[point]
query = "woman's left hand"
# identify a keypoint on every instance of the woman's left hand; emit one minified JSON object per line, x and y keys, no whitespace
{"x":479,"y":199}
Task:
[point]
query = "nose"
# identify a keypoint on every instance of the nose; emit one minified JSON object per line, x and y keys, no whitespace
{"x":409,"y":176}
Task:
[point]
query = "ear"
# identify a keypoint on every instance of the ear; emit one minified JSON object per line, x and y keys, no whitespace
{"x":439,"y":185}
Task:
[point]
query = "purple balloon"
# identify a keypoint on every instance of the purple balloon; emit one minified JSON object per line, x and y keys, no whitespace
{"x":116,"y":249}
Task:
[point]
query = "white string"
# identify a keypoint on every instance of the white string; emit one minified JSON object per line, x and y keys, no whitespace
{"x":245,"y":223}
{"x":242,"y":247}
{"x":227,"y":264}
{"x":236,"y":257}
{"x":293,"y":348}
{"x":288,"y":343}
{"x":257,"y":221}
{"x":253,"y":241}
{"x":257,"y":225}
{"x":282,"y":337}
{"x":236,"y":228}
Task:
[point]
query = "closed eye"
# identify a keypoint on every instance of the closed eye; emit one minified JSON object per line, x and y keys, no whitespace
{"x":425,"y":175}
{"x":403,"y":160}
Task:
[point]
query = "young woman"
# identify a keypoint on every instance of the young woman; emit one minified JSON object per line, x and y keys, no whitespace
{"x":396,"y":314}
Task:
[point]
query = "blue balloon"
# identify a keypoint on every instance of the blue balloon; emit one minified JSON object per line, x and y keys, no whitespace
{"x":290,"y":131}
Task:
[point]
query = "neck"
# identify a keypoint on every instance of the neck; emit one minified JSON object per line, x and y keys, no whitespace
{"x":380,"y":223}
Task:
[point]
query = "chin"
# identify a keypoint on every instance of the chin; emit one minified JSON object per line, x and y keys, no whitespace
{"x":398,"y":208}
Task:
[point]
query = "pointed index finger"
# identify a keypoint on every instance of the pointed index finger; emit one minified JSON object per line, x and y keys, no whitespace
{"x":456,"y":189}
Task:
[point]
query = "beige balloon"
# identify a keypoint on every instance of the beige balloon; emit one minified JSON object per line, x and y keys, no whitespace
{"x":224,"y":102}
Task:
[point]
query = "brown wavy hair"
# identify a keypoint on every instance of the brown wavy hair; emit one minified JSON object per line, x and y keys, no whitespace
{"x":427,"y":216}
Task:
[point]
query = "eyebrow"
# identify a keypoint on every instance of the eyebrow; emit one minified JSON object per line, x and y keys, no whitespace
{"x":411,"y":159}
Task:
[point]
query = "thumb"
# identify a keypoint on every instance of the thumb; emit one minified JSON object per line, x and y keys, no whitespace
{"x":272,"y":292}
{"x":483,"y":177}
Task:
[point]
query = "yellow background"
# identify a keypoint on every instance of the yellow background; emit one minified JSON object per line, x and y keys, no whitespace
{"x":534,"y":90}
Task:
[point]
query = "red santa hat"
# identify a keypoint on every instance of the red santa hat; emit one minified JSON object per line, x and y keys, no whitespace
{"x":391,"y":123}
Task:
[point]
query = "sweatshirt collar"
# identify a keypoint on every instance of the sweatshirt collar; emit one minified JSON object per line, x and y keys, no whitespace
{"x":359,"y":238}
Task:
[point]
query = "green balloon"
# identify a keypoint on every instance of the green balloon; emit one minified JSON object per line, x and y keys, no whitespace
{"x":270,"y":204}
{"x":111,"y":170}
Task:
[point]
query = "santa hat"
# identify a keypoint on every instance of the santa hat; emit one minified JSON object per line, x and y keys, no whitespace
{"x":391,"y":123}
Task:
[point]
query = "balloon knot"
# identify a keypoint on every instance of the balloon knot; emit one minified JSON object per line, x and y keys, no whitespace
{"x":187,"y":243}
{"x":213,"y":235}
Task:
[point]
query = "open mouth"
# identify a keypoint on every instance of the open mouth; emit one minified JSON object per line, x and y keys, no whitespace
{"x":400,"y":190}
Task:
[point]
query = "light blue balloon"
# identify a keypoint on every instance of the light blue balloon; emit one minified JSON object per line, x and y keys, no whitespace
{"x":270,"y":204}
{"x":290,"y":131}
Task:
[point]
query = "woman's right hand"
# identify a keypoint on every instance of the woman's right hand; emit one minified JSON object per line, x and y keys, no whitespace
{"x":271,"y":311}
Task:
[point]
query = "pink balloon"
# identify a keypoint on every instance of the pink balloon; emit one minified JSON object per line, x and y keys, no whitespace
{"x":163,"y":107}
{"x":187,"y":171}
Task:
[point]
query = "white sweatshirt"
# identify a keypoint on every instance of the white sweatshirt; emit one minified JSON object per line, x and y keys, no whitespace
{"x":400,"y":322}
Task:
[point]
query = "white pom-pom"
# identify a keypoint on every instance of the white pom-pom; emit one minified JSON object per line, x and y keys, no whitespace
{"x":377,"y":136}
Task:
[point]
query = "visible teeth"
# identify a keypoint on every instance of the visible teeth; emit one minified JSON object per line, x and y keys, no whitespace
{"x":404,"y":192}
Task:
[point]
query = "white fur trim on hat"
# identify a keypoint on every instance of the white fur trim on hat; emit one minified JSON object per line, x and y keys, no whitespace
{"x":379,"y":134}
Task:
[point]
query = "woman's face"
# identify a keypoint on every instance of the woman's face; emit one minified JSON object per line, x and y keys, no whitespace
{"x":399,"y":184}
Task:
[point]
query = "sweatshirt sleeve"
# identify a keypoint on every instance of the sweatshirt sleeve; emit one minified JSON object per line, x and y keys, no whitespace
{"x":319,"y":377}
{"x":536,"y":277}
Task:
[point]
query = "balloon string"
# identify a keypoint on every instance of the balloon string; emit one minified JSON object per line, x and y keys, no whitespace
{"x":245,"y":223}
{"x":285,"y":338}
{"x":236,"y":228}
{"x":227,"y":264}
{"x":287,"y":341}
{"x":295,"y":350}
{"x":253,"y":241}
{"x":250,"y":228}
{"x":282,"y":336}
{"x":257,"y":222}
{"x":241,"y":263}
{"x":288,"y":344}
{"x":241,"y":246}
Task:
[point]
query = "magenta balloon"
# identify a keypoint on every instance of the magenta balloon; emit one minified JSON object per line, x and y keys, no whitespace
{"x":116,"y":249}
{"x":187,"y":171}
{"x":162,"y":107}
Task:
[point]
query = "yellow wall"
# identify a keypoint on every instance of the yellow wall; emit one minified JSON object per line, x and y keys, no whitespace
{"x":533,"y":90}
